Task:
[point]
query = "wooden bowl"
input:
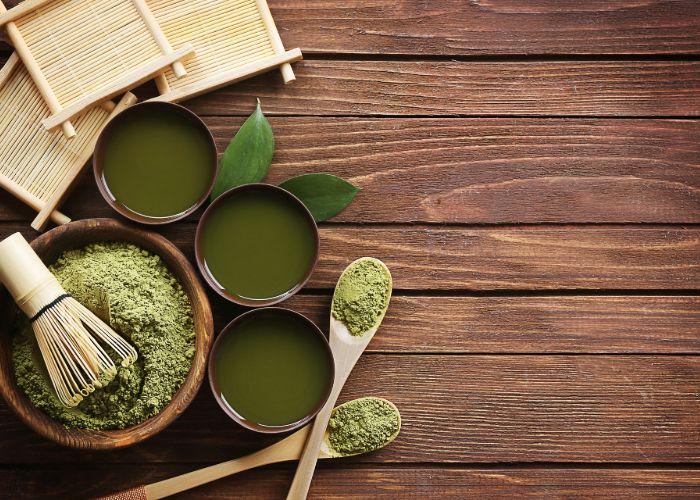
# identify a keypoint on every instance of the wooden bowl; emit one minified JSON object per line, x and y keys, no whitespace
{"x":76,"y":235}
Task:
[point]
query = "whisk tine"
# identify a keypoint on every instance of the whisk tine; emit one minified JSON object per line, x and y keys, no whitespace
{"x":58,"y":383}
{"x":120,"y":346}
{"x":67,"y":333}
{"x":77,"y":358}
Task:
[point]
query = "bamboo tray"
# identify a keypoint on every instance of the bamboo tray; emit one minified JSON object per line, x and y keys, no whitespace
{"x":80,"y":53}
{"x":39,"y":166}
{"x":233,"y":40}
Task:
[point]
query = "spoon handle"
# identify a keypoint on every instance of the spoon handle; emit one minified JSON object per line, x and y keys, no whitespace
{"x":307,"y":464}
{"x":345,"y":359}
{"x":287,"y":449}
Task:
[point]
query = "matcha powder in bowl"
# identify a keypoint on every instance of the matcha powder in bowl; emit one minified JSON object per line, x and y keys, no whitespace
{"x":133,"y":291}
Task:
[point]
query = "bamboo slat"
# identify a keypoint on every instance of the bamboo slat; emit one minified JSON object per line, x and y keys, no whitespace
{"x":38,"y":166}
{"x":233,"y":40}
{"x":78,"y":52}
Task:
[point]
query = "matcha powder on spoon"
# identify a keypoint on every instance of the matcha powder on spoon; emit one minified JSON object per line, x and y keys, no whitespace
{"x":362,"y":295}
{"x":139,"y":297}
{"x":363,"y":425}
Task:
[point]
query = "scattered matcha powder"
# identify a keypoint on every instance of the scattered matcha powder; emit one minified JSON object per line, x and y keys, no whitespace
{"x":362,"y":295}
{"x":136,"y":294}
{"x":363,"y":425}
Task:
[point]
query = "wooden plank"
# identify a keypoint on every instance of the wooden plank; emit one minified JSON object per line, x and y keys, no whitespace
{"x":478,"y":171}
{"x":499,"y":88}
{"x":524,"y":258}
{"x":455,"y":27}
{"x":461,"y":409}
{"x":488,"y":27}
{"x":340,"y":480}
{"x":518,"y":258}
{"x":441,"y":88}
{"x":524,"y":324}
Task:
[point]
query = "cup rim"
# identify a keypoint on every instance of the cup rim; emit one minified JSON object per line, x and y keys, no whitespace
{"x":214,"y":385}
{"x":98,"y":162}
{"x":208,"y":276}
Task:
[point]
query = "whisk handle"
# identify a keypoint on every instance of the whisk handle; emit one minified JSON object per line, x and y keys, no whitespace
{"x":24,"y":275}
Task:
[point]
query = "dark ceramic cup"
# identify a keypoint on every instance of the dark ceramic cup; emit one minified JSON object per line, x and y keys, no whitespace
{"x":199,"y":254}
{"x":214,"y":383}
{"x":130,"y":114}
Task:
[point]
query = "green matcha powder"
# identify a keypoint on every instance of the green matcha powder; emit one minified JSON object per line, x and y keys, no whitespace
{"x":136,"y":294}
{"x":363,"y":425}
{"x":362,"y":295}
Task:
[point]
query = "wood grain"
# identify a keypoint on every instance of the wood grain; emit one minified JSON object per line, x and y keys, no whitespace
{"x":477,"y":171}
{"x":460,"y":409}
{"x":457,"y":88}
{"x":501,"y":88}
{"x":455,"y":27}
{"x":338,"y":481}
{"x":482,"y":259}
{"x":523,"y":324}
{"x":488,"y":27}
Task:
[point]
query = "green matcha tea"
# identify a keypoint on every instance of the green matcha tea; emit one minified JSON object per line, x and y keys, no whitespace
{"x":157,"y":162}
{"x":273,"y":368}
{"x":258,"y":243}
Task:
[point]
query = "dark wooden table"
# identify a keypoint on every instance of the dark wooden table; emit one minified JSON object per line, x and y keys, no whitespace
{"x":531,"y":175}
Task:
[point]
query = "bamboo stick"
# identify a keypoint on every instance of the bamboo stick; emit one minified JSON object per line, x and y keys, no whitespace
{"x":223,"y":79}
{"x":29,"y":199}
{"x":286,"y":68}
{"x":165,"y":47}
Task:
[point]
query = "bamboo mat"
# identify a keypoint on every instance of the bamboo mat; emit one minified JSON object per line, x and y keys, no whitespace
{"x":80,"y":53}
{"x":233,"y":40}
{"x":36,"y":165}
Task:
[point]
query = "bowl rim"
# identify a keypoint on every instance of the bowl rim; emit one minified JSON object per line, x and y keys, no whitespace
{"x":101,"y":144}
{"x":213,"y":380}
{"x":96,"y":230}
{"x":199,"y":254}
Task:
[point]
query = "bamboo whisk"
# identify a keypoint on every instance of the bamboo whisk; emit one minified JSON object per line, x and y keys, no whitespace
{"x":74,"y":359}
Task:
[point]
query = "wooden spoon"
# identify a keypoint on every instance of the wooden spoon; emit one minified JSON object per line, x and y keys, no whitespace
{"x":347,"y":349}
{"x":289,"y":448}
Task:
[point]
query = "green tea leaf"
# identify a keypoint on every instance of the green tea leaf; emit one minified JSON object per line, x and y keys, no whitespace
{"x":325,"y":195}
{"x":248,"y":156}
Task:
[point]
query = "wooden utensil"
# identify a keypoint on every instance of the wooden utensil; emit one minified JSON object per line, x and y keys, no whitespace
{"x":289,"y":448}
{"x":347,"y":349}
{"x":65,"y":330}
